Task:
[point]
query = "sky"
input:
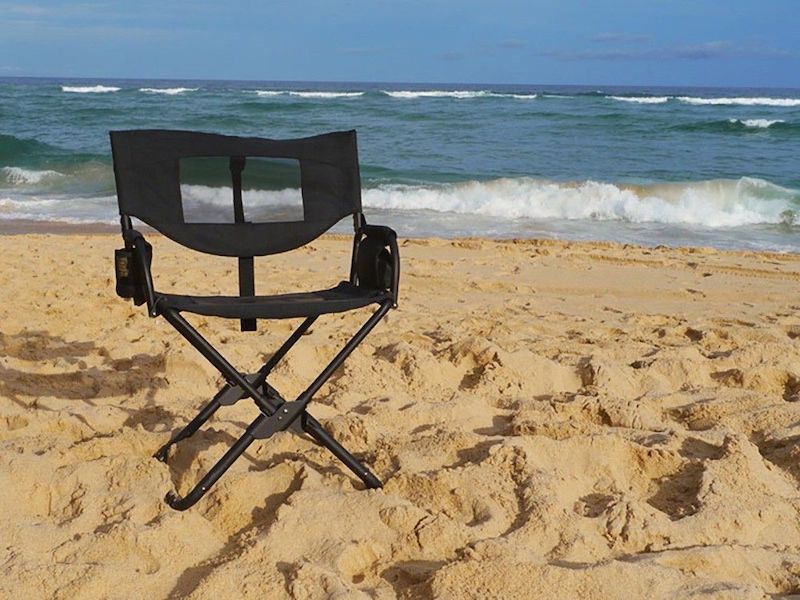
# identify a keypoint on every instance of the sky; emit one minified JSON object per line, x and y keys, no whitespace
{"x":744,"y":43}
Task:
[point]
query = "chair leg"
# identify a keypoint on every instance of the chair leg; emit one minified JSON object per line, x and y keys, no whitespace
{"x":223,"y":464}
{"x":315,"y":430}
{"x":225,"y":397}
{"x":276,"y":414}
{"x":190,"y":429}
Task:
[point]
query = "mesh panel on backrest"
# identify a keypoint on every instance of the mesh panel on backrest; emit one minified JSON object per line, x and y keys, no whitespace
{"x":147,"y":171}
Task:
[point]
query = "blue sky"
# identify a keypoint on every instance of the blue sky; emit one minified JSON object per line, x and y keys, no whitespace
{"x":648,"y":42}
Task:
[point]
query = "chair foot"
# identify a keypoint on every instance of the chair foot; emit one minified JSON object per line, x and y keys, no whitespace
{"x":163,"y":452}
{"x":177,"y":503}
{"x":372,"y":482}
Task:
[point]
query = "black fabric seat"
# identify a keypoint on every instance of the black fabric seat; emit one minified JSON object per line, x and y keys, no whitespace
{"x":341,"y":298}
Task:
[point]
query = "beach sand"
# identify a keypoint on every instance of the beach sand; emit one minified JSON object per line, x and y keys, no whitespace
{"x":550,"y":420}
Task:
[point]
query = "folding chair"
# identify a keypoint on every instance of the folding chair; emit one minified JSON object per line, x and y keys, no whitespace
{"x":147,"y":167}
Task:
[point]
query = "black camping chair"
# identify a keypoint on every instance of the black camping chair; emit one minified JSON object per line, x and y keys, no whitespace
{"x":147,"y":167}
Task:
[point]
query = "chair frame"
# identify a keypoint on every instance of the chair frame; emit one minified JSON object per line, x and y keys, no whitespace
{"x":275,"y":412}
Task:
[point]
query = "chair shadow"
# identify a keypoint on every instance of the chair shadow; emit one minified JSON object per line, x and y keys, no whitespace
{"x":77,"y":381}
{"x":262,"y":518}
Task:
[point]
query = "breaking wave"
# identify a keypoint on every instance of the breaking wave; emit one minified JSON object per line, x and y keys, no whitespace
{"x":19,"y":176}
{"x":714,"y":203}
{"x":741,"y":126}
{"x":757,"y":123}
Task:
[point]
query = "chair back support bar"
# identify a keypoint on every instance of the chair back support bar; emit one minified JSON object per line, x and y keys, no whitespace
{"x":247,"y":280}
{"x":147,"y":171}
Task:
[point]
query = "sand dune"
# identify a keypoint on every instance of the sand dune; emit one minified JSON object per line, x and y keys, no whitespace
{"x":550,"y":419}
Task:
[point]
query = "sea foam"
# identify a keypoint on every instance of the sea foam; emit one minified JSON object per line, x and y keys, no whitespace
{"x":89,"y":89}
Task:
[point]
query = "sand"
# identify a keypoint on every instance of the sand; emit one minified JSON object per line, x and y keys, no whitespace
{"x":550,"y":419}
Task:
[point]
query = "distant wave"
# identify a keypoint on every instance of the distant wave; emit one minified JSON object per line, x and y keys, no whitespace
{"x":168,"y":91}
{"x":89,"y":89}
{"x":715,"y":203}
{"x":408,"y":94}
{"x":757,"y":123}
{"x":270,"y":93}
{"x":458,"y":94}
{"x":642,"y":99}
{"x":20,"y":176}
{"x":327,"y":94}
{"x":740,"y":126}
{"x":740,"y":101}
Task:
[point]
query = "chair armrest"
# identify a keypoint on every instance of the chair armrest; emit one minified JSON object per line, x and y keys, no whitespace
{"x":135,"y":241}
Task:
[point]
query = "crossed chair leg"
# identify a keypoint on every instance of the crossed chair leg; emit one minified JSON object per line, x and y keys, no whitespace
{"x":276,"y":414}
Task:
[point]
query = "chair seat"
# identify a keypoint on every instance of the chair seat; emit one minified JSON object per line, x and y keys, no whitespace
{"x":341,"y":298}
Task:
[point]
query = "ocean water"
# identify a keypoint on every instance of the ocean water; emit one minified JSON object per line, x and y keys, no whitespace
{"x":678,"y":166}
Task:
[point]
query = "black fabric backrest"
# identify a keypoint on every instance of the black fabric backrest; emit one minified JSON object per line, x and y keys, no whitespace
{"x":147,"y":171}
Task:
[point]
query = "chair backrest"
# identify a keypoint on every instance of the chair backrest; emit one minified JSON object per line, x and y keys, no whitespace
{"x":148,"y":176}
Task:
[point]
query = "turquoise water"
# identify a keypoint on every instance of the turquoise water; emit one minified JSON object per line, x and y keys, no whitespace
{"x":673,"y":166}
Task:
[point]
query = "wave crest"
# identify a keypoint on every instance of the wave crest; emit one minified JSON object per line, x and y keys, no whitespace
{"x":89,"y":89}
{"x":323,"y":95}
{"x":457,"y":94}
{"x":168,"y":91}
{"x":20,"y":176}
{"x":408,"y":94}
{"x":757,"y":123}
{"x":642,"y":99}
{"x":740,"y":101}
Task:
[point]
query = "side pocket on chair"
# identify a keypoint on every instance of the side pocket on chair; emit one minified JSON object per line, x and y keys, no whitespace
{"x":374,"y":265}
{"x":130,"y":282}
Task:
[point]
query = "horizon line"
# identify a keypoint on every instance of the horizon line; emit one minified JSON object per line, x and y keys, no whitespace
{"x":378,"y":82}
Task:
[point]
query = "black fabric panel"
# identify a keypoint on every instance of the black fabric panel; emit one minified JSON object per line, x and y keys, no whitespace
{"x":147,"y":171}
{"x":342,"y":298}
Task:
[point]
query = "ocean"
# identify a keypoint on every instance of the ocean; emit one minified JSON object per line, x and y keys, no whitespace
{"x":646,"y":165}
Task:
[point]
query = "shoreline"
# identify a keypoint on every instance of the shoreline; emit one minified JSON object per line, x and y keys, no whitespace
{"x":28,"y":226}
{"x":22,"y":227}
